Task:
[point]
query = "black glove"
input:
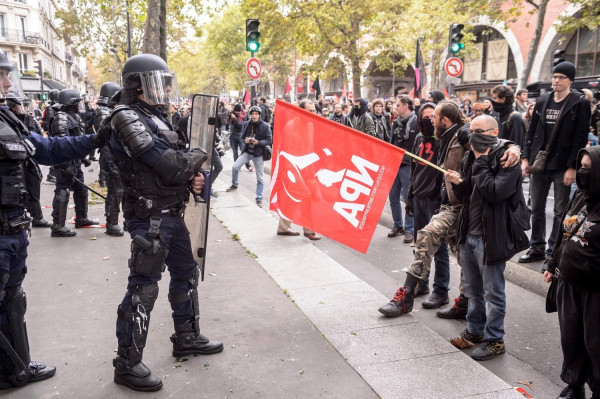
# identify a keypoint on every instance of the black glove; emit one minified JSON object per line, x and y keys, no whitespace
{"x":101,"y":137}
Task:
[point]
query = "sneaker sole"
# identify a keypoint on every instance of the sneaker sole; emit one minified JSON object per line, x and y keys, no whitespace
{"x":119,"y":381}
{"x":190,"y":352}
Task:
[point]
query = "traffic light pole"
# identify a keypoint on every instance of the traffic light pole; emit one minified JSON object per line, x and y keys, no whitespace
{"x":253,"y":87}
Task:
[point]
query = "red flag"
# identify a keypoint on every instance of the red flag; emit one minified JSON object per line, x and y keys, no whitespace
{"x":328,"y":177}
{"x":288,"y":87}
{"x":247,"y":97}
{"x":299,"y":81}
{"x":446,"y":93}
{"x":337,"y":99}
{"x":412,"y":93}
{"x":344,"y":93}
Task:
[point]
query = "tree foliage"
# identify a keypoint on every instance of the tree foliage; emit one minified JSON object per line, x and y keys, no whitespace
{"x":588,"y":15}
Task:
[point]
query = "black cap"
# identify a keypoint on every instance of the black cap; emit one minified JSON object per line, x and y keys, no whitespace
{"x":567,"y":69}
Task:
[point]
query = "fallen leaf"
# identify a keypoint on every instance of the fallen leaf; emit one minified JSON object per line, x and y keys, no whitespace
{"x":106,"y":258}
{"x":93,"y":238}
{"x":528,"y":384}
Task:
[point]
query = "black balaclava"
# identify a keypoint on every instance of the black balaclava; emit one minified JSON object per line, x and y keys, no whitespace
{"x":501,"y":108}
{"x":480,"y":142}
{"x":588,"y":180}
{"x":362,"y":109}
{"x":426,"y":125}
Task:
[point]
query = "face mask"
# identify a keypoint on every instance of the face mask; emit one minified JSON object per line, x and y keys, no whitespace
{"x":481,"y":142}
{"x":426,"y":127}
{"x":584,"y":177}
{"x":501,"y":107}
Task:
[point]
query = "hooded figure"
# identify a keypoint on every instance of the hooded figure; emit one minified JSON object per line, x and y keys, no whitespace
{"x":436,"y":96}
{"x":359,"y":119}
{"x":575,"y":266}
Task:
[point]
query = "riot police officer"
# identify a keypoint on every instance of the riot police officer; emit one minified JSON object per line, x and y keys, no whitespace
{"x":33,"y":174}
{"x":16,"y":367}
{"x":158,"y":175}
{"x":49,"y":111}
{"x":68,"y":122}
{"x":108,"y":168}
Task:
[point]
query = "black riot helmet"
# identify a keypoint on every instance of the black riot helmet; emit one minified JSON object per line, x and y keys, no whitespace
{"x":151,"y":74}
{"x":71,"y":98}
{"x":108,"y":90}
{"x":10,"y":84}
{"x":5,"y":63}
{"x":53,"y":95}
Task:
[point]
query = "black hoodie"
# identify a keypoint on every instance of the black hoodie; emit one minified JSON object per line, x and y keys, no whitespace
{"x":577,"y":249}
{"x":425,"y":181}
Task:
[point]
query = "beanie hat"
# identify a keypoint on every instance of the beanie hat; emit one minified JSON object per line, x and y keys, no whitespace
{"x":237,"y":107}
{"x":567,"y":69}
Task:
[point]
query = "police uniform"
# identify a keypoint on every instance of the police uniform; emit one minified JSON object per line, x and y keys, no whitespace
{"x":108,"y":169}
{"x":156,"y":171}
{"x":69,"y":123}
{"x":16,"y":368}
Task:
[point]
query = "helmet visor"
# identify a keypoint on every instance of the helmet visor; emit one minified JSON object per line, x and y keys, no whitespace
{"x":10,"y":84}
{"x":160,"y":87}
{"x":80,"y":106}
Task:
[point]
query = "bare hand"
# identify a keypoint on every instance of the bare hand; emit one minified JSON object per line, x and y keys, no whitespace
{"x":525,"y":167}
{"x":548,"y":276}
{"x":453,"y":177}
{"x":511,"y":157}
{"x":569,"y":176}
{"x":197,"y":183}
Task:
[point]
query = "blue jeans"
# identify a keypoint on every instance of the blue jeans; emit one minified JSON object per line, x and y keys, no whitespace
{"x":483,"y":285}
{"x":424,"y":210}
{"x":236,"y":145}
{"x":259,"y":165}
{"x":400,"y":187}
{"x":539,"y":188}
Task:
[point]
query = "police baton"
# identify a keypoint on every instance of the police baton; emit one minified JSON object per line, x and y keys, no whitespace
{"x":89,"y":188}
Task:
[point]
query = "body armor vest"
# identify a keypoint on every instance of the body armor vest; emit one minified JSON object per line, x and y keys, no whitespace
{"x":102,"y":112}
{"x":141,"y":181}
{"x":14,"y":152}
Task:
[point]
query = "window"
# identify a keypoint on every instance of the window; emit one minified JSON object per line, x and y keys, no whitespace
{"x":23,"y":62}
{"x":583,"y":50}
{"x":2,"y":26}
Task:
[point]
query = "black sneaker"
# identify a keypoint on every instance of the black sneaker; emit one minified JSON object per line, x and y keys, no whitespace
{"x":572,"y":392}
{"x":231,"y":188}
{"x":466,"y":340}
{"x":259,"y":203}
{"x":84,"y":222}
{"x":457,"y":311}
{"x":62,"y":231}
{"x":401,"y":303}
{"x":488,"y":350}
{"x":435,"y":301}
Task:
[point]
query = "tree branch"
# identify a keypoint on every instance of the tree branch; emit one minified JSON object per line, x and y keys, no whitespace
{"x":536,"y":6}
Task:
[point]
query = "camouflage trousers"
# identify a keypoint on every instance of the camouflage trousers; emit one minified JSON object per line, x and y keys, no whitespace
{"x":440,"y":229}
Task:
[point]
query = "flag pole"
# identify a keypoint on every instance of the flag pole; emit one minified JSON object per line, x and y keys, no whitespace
{"x":426,"y":162}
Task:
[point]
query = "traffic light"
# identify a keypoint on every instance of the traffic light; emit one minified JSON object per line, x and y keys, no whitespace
{"x":252,"y":35}
{"x":456,"y":44}
{"x":559,"y":56}
{"x":44,"y":96}
{"x":38,"y":66}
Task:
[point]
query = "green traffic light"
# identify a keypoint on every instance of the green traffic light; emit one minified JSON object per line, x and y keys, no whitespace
{"x":252,"y":46}
{"x":455,"y":48}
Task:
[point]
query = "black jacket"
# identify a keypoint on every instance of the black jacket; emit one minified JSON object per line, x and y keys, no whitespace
{"x":571,"y":131}
{"x":262,"y":134}
{"x":577,"y":249}
{"x":499,"y":189}
{"x":404,"y":131}
{"x":235,"y":125}
{"x":511,"y":126}
{"x":425,"y":181}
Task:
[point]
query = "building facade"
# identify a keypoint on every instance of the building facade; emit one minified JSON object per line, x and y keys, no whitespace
{"x":28,"y":34}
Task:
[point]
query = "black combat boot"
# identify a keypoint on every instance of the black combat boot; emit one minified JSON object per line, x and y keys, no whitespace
{"x":185,"y":342}
{"x":36,"y":214}
{"x":59,"y":215}
{"x":134,"y":374}
{"x":112,"y":221}
{"x":457,"y":311}
{"x":80,"y":197}
{"x":403,"y":300}
{"x":15,"y":305}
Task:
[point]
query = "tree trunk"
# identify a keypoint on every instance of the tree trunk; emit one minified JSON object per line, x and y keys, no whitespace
{"x":163,"y":29}
{"x":356,"y":72}
{"x":152,"y":38}
{"x":541,"y":13}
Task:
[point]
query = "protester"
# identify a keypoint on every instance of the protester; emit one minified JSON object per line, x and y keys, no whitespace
{"x":477,"y":110}
{"x":510,"y":122}
{"x":521,"y":101}
{"x":560,"y":124}
{"x":256,"y":134}
{"x":236,"y":119}
{"x":404,"y":131}
{"x":382,"y":121}
{"x":576,"y":267}
{"x":338,"y":115}
{"x":488,"y":107}
{"x":359,"y":119}
{"x":435,"y":96}
{"x":483,"y":234}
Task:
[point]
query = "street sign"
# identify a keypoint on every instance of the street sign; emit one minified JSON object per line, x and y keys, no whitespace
{"x":453,"y":67}
{"x":453,"y":80}
{"x":253,"y":82}
{"x":253,"y":68}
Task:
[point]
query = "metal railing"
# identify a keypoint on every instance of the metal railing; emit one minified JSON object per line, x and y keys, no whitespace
{"x":20,"y":36}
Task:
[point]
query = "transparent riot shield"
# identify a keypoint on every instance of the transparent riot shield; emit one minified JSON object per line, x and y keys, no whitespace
{"x":201,"y":134}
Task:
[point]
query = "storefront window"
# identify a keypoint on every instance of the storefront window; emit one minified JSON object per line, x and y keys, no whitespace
{"x":584,"y":51}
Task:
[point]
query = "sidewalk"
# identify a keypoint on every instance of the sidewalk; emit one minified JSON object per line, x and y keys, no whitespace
{"x":396,"y":357}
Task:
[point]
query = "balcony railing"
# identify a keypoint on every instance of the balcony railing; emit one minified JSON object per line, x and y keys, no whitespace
{"x":20,"y":36}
